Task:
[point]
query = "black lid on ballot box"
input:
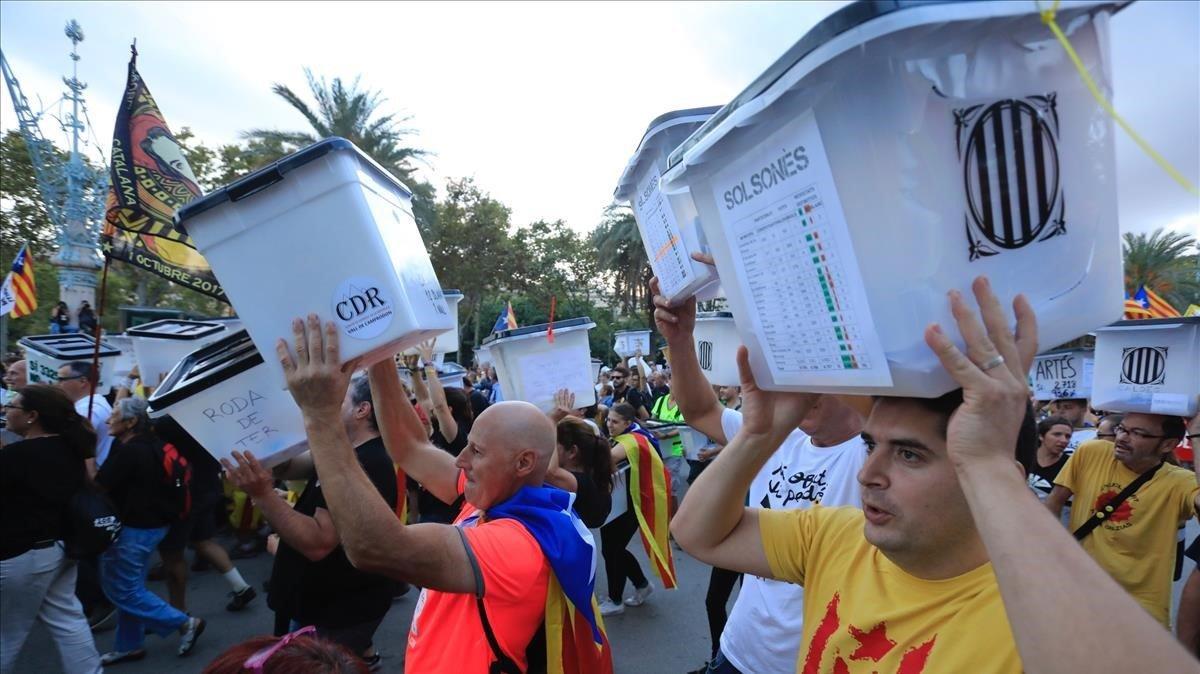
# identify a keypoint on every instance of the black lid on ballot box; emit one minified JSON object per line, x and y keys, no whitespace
{"x":176,"y":328}
{"x":206,"y":367}
{"x":74,"y":346}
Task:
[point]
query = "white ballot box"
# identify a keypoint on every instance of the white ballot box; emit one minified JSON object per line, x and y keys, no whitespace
{"x":532,"y":368}
{"x":327,"y":231}
{"x":125,"y":362}
{"x":447,"y":342}
{"x":226,"y":398}
{"x":1150,"y":366}
{"x":717,"y":342}
{"x":669,"y":225}
{"x":1062,"y":374}
{"x":483,"y":356}
{"x":159,"y":345}
{"x":628,"y":342}
{"x":44,"y":354}
{"x":898,"y":151}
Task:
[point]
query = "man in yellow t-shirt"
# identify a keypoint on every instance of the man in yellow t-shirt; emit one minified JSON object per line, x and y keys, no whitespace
{"x":1135,"y":543}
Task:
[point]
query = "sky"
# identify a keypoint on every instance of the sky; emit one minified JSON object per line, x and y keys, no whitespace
{"x":541,"y":103}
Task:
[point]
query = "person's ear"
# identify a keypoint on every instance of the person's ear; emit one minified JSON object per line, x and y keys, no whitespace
{"x":526,"y":460}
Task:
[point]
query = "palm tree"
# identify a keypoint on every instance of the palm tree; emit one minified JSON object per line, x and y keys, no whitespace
{"x":349,"y":112}
{"x":620,"y":254}
{"x":1165,"y":262}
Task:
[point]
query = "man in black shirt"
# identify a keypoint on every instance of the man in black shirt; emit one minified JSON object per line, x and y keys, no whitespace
{"x":312,"y":581}
{"x":623,"y":392}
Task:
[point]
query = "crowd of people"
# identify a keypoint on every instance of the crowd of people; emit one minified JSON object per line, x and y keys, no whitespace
{"x":959,"y":533}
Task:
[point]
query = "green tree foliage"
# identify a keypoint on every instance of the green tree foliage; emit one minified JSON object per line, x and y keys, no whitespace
{"x":350,"y":112}
{"x":1166,"y":262}
{"x":622,"y":259}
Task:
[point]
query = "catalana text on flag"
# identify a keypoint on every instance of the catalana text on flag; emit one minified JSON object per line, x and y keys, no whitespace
{"x":150,"y":180}
{"x":21,"y":284}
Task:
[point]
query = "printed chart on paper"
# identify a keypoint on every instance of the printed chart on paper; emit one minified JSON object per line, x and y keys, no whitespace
{"x":661,"y":236}
{"x":793,"y":254}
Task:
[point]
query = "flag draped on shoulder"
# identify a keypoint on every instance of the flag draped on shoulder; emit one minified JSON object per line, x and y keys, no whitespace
{"x":576,"y":642}
{"x":149,"y":180}
{"x":20,"y":290}
{"x":650,"y":487}
{"x":507,"y":320}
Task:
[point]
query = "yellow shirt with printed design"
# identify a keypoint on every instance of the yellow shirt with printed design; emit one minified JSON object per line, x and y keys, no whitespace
{"x":1136,"y":544}
{"x":862,"y":613}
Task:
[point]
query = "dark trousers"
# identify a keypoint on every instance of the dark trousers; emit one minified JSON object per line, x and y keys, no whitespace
{"x":87,"y":586}
{"x":720,"y":587}
{"x":357,"y":638}
{"x":620,"y":563}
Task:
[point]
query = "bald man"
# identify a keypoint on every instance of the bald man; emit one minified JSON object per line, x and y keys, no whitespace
{"x":509,"y":447}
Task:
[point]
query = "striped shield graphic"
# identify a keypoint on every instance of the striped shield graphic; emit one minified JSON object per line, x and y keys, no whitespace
{"x":1010,"y":164}
{"x":1144,"y":365}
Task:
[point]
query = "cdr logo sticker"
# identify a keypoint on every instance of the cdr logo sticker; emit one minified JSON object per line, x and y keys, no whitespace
{"x":361,"y":308}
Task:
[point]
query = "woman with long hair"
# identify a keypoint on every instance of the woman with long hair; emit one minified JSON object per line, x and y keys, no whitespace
{"x":648,"y":511}
{"x":451,"y":416}
{"x":135,"y":478}
{"x":38,"y":477}
{"x":582,"y":464}
{"x":1054,"y":435}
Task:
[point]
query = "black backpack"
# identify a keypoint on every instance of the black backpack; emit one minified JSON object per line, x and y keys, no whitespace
{"x":177,"y":480}
{"x":92,"y":524}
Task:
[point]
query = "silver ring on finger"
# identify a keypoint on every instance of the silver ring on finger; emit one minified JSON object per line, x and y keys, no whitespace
{"x":992,"y":363}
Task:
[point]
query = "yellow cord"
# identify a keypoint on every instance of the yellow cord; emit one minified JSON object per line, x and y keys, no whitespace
{"x":1048,"y":16}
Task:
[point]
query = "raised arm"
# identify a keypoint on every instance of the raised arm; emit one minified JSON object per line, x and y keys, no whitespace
{"x":689,"y":387}
{"x":430,"y":555}
{"x":712,"y":524}
{"x":437,"y":395}
{"x":1062,"y":621}
{"x":405,"y":436}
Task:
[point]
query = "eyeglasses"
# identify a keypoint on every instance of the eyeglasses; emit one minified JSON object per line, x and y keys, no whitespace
{"x":78,"y":376}
{"x":9,"y":406}
{"x":255,"y":663}
{"x":1135,"y":432}
{"x":1106,"y":435}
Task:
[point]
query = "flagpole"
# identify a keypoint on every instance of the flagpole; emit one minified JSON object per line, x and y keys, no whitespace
{"x":95,"y":379}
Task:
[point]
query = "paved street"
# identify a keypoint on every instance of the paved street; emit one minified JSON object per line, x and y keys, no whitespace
{"x":669,"y":634}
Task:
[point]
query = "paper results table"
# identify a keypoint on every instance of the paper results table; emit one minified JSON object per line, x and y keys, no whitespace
{"x":792,"y":266}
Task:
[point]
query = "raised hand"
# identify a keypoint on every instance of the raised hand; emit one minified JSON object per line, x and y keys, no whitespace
{"x":992,"y":373}
{"x":677,"y":323}
{"x":773,"y":414}
{"x":315,"y":377}
{"x":248,"y":474}
{"x":426,"y":351}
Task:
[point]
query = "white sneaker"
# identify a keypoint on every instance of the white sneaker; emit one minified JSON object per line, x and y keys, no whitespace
{"x":639,"y":595}
{"x":608,"y":607}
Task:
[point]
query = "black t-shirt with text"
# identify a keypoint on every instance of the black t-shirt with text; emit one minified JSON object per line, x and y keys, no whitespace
{"x":330,"y":592}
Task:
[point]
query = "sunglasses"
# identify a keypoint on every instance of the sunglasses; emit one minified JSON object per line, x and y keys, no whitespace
{"x":255,"y":663}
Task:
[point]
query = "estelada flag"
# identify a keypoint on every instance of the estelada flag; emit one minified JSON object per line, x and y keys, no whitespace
{"x":21,"y":284}
{"x":650,"y":487}
{"x":1159,"y":308}
{"x":1135,"y":310}
{"x":149,"y":180}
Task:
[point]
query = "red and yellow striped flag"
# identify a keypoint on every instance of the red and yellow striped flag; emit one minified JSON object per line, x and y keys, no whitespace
{"x":650,"y":478}
{"x":1134,"y":310}
{"x":1160,"y":308}
{"x":570,"y":648}
{"x":24,"y":289}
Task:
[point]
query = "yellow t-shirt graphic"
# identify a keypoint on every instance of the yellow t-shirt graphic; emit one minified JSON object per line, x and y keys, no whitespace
{"x":862,"y":613}
{"x":1136,"y":542}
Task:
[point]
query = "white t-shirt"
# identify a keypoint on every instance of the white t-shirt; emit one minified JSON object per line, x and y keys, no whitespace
{"x":100,"y":413}
{"x":766,"y":625}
